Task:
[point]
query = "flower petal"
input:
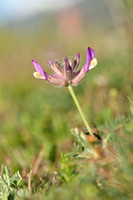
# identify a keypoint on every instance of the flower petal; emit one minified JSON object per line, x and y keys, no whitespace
{"x":78,"y":55}
{"x":56,"y":67}
{"x":58,"y":76}
{"x":68,"y":67}
{"x":49,"y":62}
{"x":57,"y":80}
{"x":90,"y":56}
{"x":93,"y":63}
{"x":54,"y":79}
{"x":39,"y":69}
{"x":78,"y":76}
{"x":76,"y":62}
{"x":38,"y":75}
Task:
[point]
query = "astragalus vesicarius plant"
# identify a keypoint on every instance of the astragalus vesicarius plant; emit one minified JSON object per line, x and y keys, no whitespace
{"x":67,"y":74}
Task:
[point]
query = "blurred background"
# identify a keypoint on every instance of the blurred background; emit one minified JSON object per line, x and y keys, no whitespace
{"x":34,"y":113}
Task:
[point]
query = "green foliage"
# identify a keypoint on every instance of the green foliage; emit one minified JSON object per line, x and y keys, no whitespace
{"x":67,"y":170}
{"x":9,"y":184}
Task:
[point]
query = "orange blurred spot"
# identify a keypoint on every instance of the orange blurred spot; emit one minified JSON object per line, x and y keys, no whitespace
{"x":90,"y":138}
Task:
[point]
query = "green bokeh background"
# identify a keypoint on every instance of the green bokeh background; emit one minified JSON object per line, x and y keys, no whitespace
{"x":34,"y":113}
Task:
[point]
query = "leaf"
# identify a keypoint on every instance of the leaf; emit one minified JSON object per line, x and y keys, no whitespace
{"x":15,"y":179}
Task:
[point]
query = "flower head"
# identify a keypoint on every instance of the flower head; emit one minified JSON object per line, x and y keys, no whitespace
{"x":66,"y":74}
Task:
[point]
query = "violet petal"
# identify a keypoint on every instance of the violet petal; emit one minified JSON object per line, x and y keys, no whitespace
{"x":49,"y":62}
{"x":78,"y":55}
{"x":39,"y":69}
{"x":67,"y":65}
{"x":90,"y":56}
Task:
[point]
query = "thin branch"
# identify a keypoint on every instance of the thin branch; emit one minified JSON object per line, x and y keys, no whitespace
{"x":38,"y":161}
{"x":29,"y":181}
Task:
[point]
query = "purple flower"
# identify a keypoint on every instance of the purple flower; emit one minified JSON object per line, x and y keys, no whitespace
{"x":66,"y":74}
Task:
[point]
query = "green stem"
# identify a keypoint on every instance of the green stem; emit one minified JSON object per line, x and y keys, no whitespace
{"x":79,"y":108}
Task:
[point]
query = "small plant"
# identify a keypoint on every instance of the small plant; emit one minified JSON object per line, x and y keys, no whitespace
{"x":67,"y":169}
{"x":66,"y":75}
{"x":9,"y":184}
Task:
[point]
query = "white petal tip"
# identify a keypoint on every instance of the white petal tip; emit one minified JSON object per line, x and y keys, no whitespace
{"x":93,"y":63}
{"x":38,"y":75}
